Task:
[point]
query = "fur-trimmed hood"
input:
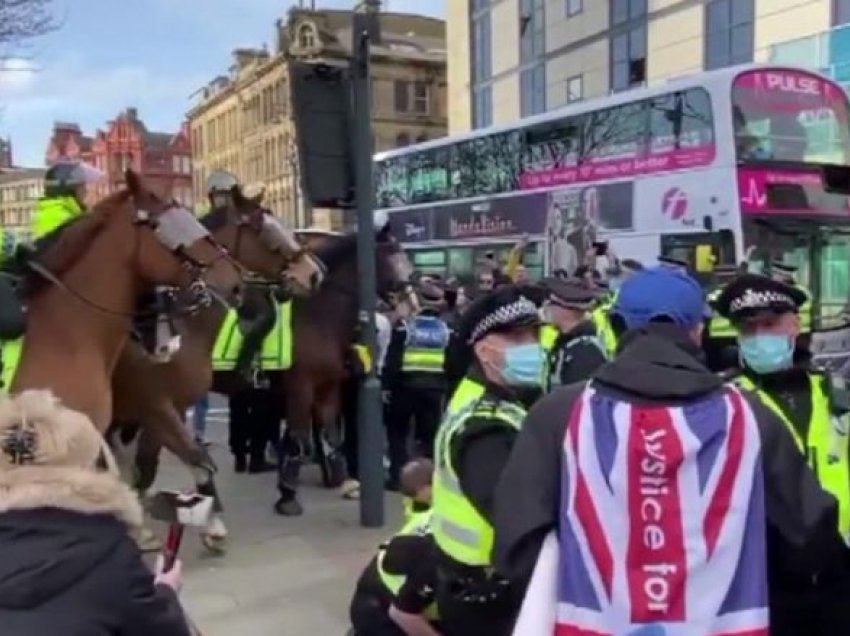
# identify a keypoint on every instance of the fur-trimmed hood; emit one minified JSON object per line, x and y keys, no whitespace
{"x":71,"y":489}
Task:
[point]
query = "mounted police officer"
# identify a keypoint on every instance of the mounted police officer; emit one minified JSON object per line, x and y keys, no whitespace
{"x":573,"y":349}
{"x":766,"y":315}
{"x":472,"y":446}
{"x":414,"y":376}
{"x":263,"y":314}
{"x":65,"y":190}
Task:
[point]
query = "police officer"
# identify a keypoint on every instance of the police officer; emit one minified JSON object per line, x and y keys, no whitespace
{"x":395,"y":593}
{"x":414,"y":377}
{"x":600,"y":315}
{"x":787,"y":273}
{"x":586,"y":464}
{"x":766,"y":315}
{"x":573,"y":350}
{"x":720,"y":335}
{"x":65,"y":188}
{"x":263,"y":314}
{"x":473,"y":444}
{"x":12,"y":314}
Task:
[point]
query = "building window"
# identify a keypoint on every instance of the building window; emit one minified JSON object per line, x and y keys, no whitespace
{"x":628,"y":52}
{"x":412,"y":97}
{"x":575,"y":89}
{"x":482,"y":51}
{"x":729,"y":33}
{"x":532,"y":30}
{"x":402,"y":140}
{"x":482,"y":111}
{"x":623,"y":11}
{"x":840,"y":12}
{"x":574,"y":7}
{"x":533,"y":90}
{"x":306,"y":36}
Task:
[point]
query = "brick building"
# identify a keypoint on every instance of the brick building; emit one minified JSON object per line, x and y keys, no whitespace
{"x":164,"y":159}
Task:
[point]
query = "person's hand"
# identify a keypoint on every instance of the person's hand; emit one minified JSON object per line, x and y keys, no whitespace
{"x":173,"y":578}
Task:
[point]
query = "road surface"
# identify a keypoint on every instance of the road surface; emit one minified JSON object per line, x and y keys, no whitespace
{"x":280,"y":576}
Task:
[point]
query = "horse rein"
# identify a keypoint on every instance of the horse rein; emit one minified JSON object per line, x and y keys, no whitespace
{"x":202,"y":293}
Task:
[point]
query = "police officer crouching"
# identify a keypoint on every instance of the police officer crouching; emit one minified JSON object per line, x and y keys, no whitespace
{"x":573,"y":350}
{"x":414,"y":377}
{"x":473,"y":444}
{"x":395,"y":593}
{"x":765,"y":313}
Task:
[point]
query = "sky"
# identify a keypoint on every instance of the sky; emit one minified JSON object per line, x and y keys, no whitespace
{"x":152,"y":54}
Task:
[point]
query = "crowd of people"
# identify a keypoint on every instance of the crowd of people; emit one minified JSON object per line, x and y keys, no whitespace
{"x":592,"y":472}
{"x":611,"y":452}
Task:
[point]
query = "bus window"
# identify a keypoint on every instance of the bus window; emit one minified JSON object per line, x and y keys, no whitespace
{"x":681,"y":120}
{"x":791,"y":116}
{"x":702,"y":251}
{"x":431,"y":261}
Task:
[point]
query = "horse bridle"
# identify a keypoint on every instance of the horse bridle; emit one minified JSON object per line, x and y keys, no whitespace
{"x":177,"y":237}
{"x":304,"y":251}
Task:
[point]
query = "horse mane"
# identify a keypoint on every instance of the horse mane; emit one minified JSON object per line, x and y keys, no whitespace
{"x":60,"y":249}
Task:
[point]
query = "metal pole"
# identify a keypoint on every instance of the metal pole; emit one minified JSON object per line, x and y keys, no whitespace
{"x":369,"y":420}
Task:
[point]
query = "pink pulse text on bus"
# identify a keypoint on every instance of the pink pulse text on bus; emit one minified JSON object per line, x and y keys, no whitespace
{"x":600,"y":169}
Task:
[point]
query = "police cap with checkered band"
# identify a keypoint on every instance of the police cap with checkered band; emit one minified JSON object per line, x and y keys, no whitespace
{"x":751,"y":294}
{"x":501,"y":310}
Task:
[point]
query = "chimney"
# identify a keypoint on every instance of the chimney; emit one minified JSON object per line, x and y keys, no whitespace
{"x":133,"y":114}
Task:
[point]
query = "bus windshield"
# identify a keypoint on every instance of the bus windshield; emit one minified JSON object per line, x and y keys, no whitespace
{"x":821,"y":254}
{"x":787,"y":115}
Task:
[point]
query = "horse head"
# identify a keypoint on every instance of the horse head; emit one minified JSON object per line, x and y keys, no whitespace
{"x":394,"y":271}
{"x":169,"y":245}
{"x":257,"y":239}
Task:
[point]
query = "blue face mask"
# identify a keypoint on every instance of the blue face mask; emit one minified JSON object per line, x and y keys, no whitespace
{"x":767,"y":352}
{"x":523,"y":365}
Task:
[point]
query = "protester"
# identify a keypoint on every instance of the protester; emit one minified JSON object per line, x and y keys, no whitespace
{"x":473,"y":443}
{"x":69,"y":563}
{"x":663,"y":485}
{"x":395,"y":593}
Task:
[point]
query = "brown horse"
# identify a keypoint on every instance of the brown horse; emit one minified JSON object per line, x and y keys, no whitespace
{"x":324,"y":327}
{"x":85,"y":285}
{"x":156,"y":396}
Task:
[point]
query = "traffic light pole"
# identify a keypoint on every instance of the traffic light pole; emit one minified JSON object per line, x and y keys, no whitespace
{"x":369,"y":412}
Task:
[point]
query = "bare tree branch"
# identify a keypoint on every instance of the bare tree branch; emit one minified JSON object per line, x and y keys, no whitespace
{"x":24,"y":20}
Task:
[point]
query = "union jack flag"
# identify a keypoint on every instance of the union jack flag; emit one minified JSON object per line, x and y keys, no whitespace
{"x":662,"y":525}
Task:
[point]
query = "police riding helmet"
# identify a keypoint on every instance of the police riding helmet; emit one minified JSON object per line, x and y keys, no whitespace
{"x":220,"y":186}
{"x":69,"y":178}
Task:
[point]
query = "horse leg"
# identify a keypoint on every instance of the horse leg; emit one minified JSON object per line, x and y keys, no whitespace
{"x":172,"y":433}
{"x":293,"y":445}
{"x":127,"y":441}
{"x":326,"y":413}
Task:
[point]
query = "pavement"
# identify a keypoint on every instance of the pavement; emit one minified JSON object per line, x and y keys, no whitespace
{"x":280,"y":576}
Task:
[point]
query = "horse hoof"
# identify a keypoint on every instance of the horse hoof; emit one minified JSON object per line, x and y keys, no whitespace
{"x":215,"y":544}
{"x":148,"y":541}
{"x":288,"y":508}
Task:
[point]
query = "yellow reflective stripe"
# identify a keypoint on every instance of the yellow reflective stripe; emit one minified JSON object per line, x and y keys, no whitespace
{"x":426,"y":360}
{"x":10,"y":356}
{"x":466,"y":392}
{"x":745,"y":383}
{"x":469,"y":537}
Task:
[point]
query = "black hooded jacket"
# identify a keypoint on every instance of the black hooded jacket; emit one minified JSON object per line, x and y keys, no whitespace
{"x":75,"y":574}
{"x":661,"y":365}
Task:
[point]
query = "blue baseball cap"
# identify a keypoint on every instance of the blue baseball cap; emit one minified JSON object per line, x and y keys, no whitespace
{"x":660,"y":292}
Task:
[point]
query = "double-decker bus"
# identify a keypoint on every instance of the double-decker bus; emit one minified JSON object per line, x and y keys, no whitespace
{"x":744,"y":163}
